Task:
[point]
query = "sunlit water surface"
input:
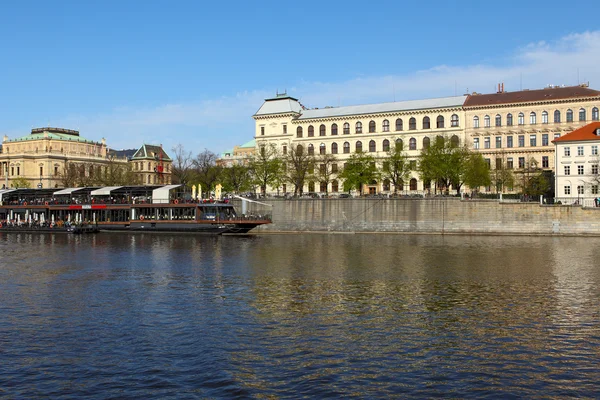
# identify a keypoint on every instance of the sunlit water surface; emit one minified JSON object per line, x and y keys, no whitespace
{"x":288,"y":316}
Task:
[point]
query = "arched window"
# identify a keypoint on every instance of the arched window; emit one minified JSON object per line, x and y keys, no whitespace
{"x":399,"y":124}
{"x":582,"y":114}
{"x":399,"y":144}
{"x":299,"y":132}
{"x":359,"y":127}
{"x":532,"y":118}
{"x":371,"y":126}
{"x":426,"y":123}
{"x":358,"y":148}
{"x":454,"y":142}
{"x":439,"y":122}
{"x":346,"y":147}
{"x":322,"y":149}
{"x":335,"y":187}
{"x":311,"y":131}
{"x":334,"y":130}
{"x":498,"y":120}
{"x":454,"y":121}
{"x":412,"y":144}
{"x":544,"y":117}
{"x":595,"y":116}
{"x":569,"y":115}
{"x":386,"y":145}
{"x":486,"y":121}
{"x":299,"y":149}
{"x":413,"y":184}
{"x":509,"y":120}
{"x":311,"y":150}
{"x":556,"y":116}
{"x":346,"y":128}
{"x":386,"y":185}
{"x":386,"y":125}
{"x":521,"y":119}
{"x":426,"y":142}
{"x":334,"y":149}
{"x":322,"y":130}
{"x":476,"y":122}
{"x":412,"y":124}
{"x":372,"y":146}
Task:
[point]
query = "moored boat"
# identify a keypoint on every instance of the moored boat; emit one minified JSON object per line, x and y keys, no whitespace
{"x":129,"y":208}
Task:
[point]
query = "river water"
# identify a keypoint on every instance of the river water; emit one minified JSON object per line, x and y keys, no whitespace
{"x":289,"y":316}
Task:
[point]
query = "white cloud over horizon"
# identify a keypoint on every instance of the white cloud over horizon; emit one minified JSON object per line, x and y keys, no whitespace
{"x":221,"y":123}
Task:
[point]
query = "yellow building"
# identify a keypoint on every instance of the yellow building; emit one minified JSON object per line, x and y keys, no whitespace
{"x":371,"y":128}
{"x":240,"y":155}
{"x":41,"y":157}
{"x":515,"y":130}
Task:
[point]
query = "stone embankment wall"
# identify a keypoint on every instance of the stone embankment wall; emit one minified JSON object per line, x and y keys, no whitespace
{"x":435,"y":216}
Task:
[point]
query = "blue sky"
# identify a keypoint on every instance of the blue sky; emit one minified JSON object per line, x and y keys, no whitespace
{"x":191,"y":72}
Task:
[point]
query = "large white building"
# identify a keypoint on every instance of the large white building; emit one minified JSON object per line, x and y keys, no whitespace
{"x":576,"y":166}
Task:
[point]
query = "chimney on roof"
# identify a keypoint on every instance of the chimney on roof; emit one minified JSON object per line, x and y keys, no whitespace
{"x":500,"y":88}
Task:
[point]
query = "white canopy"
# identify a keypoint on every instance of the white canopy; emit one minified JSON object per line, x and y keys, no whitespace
{"x":161,"y":195}
{"x":105,"y":191}
{"x":4,"y":191}
{"x":66,"y":191}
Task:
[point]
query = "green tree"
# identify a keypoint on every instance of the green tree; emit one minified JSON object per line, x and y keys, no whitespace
{"x":236,"y":178}
{"x":206,"y":171}
{"x":396,"y":166}
{"x":360,"y":169}
{"x":266,"y":167}
{"x":533,"y":181}
{"x":476,"y":171}
{"x":297,"y":166}
{"x":444,"y":162}
{"x":21,"y":183}
{"x":325,"y":173}
{"x":502,"y":177}
{"x":113,"y":173}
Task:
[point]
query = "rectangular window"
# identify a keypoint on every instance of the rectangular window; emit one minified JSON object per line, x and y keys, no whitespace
{"x":56,"y":170}
{"x":579,"y":150}
{"x":18,"y":171}
{"x":12,"y":171}
{"x":509,"y":163}
{"x":544,"y":117}
{"x":488,"y":162}
{"x":509,"y":141}
{"x":413,"y":165}
{"x":545,"y":163}
{"x":567,"y":152}
{"x":532,"y":140}
{"x":567,"y":189}
{"x":476,"y":143}
{"x":284,"y":149}
{"x":594,"y":150}
{"x":334,"y":168}
{"x":498,"y":142}
{"x":521,"y":140}
{"x":284,"y":129}
{"x":567,"y":170}
{"x":594,"y":189}
{"x":322,"y":169}
{"x":262,"y":130}
{"x":521,"y":162}
{"x":486,"y":143}
{"x":41,"y":171}
{"x":594,"y":169}
{"x":580,"y":189}
{"x":580,"y":170}
{"x":544,"y":139}
{"x":498,"y":163}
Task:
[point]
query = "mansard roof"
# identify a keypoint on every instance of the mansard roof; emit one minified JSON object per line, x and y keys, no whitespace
{"x":150,"y":151}
{"x":525,"y":96}
{"x":280,"y":104}
{"x":588,"y":132}
{"x":396,"y":106}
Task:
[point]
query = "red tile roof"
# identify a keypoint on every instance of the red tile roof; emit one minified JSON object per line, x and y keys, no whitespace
{"x":587,"y":132}
{"x":524,"y":96}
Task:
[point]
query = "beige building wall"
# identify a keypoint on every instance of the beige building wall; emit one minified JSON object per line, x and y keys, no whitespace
{"x":531,"y":139}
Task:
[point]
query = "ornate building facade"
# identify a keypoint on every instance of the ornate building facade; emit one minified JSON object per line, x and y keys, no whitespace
{"x":373,"y":128}
{"x":41,"y":159}
{"x":512,"y":130}
{"x":515,"y":130}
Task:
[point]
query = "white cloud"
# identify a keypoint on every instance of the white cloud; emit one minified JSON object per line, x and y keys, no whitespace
{"x":220,"y":123}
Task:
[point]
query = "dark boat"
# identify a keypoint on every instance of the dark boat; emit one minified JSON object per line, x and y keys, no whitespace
{"x":125,"y":208}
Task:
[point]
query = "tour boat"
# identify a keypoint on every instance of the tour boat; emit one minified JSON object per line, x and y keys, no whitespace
{"x":126,"y":208}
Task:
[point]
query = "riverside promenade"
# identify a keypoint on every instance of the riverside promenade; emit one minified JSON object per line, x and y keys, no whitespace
{"x":431,"y":216}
